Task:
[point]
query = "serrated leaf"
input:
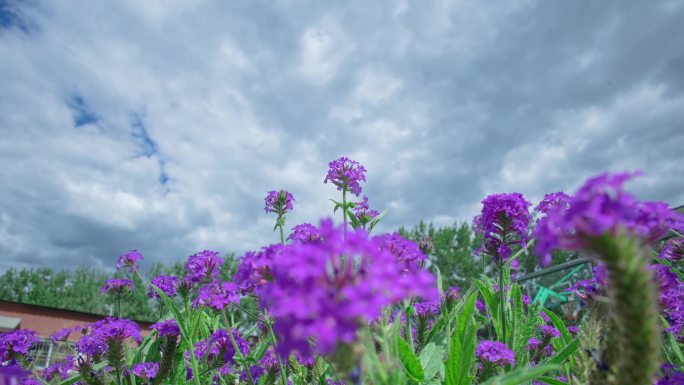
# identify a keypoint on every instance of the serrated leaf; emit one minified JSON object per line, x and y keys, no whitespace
{"x":410,"y":361}
{"x":521,"y":375}
{"x":430,"y":358}
{"x":462,"y":349}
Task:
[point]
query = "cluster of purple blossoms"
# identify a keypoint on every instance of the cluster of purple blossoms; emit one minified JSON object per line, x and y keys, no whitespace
{"x":218,"y":349}
{"x":363,"y":212}
{"x":203,"y":267}
{"x":427,"y":308}
{"x":60,"y":369}
{"x":326,"y":290}
{"x":279,"y":202}
{"x":495,"y":353}
{"x":167,"y":284}
{"x":346,"y":174}
{"x":61,"y":335}
{"x":406,"y":251}
{"x":130,"y":259}
{"x":305,"y":233}
{"x":600,"y":207}
{"x":105,"y":331}
{"x":16,"y":343}
{"x":549,"y":331}
{"x":503,"y":222}
{"x":217,"y":295}
{"x":168,"y":328}
{"x":254,"y":269}
{"x":117,"y":286}
{"x":533,"y":344}
{"x":673,"y":249}
{"x":670,"y":376}
{"x":671,"y":297}
{"x":588,"y":289}
{"x":146,"y":370}
{"x":553,"y":201}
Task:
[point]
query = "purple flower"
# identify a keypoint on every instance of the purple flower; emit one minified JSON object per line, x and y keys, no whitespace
{"x":61,"y":335}
{"x":130,"y":259}
{"x":146,"y":370}
{"x":13,"y":374}
{"x":673,"y":249}
{"x":346,"y":174}
{"x":92,"y":345}
{"x":279,"y":202}
{"x":107,"y":330}
{"x":533,"y":344}
{"x":553,"y":201}
{"x":600,"y":207}
{"x":117,"y":286}
{"x":495,"y":352}
{"x":326,"y":290}
{"x":203,"y":266}
{"x":503,"y":223}
{"x":16,"y":343}
{"x":305,"y":233}
{"x":219,"y":347}
{"x":480,"y":306}
{"x":545,"y":317}
{"x":166,"y":328}
{"x":168,"y":284}
{"x":59,"y":368}
{"x":573,"y":329}
{"x":426,"y":308}
{"x":670,"y":376}
{"x":453,"y":292}
{"x":255,"y":267}
{"x":549,"y":331}
{"x":671,"y":297}
{"x":363,"y":212}
{"x":407,"y":252}
{"x":217,"y":295}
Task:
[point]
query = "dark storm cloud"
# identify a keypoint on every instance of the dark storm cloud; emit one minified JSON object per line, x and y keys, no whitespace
{"x":162,"y":128}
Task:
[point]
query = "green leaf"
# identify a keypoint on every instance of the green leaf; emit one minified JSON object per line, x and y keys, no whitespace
{"x":464,"y":339}
{"x":430,"y":358}
{"x":521,"y":375}
{"x":410,"y":361}
{"x":561,"y":356}
{"x":558,"y":323}
{"x":551,"y":381}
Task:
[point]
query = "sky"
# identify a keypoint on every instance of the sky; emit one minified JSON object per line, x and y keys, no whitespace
{"x":161,"y":125}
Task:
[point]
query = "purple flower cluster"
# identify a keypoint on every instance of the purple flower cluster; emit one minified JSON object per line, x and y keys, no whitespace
{"x":168,"y":328}
{"x":406,"y":252}
{"x":305,"y":233}
{"x":363,"y":212}
{"x":217,"y":295}
{"x":107,"y":330}
{"x":600,"y":207}
{"x":130,"y":259}
{"x":326,"y":290}
{"x":117,"y":286}
{"x":167,"y":284}
{"x":549,"y":331}
{"x":495,"y":353}
{"x":60,"y":369}
{"x":254,"y":269}
{"x":218,"y":349}
{"x":427,"y":308}
{"x":16,"y":343}
{"x":279,"y":202}
{"x":203,"y":267}
{"x":553,"y":201}
{"x":670,"y":376}
{"x":673,"y":249}
{"x":146,"y":370}
{"x":503,"y":222}
{"x":346,"y":174}
{"x":61,"y":335}
{"x":671,"y":297}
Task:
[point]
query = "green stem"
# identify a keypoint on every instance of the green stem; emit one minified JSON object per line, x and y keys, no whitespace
{"x":502,"y":314}
{"x":237,"y":349}
{"x":283,"y":373}
{"x":344,"y":210}
{"x":409,"y":332}
{"x":118,"y":306}
{"x":282,"y":232}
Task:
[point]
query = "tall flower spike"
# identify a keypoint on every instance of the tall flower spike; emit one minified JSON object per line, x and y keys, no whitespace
{"x":346,"y":174}
{"x":614,"y":227}
{"x":117,"y":287}
{"x":203,"y":267}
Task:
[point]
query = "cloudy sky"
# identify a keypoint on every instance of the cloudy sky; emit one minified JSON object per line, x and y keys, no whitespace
{"x":160,"y":125}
